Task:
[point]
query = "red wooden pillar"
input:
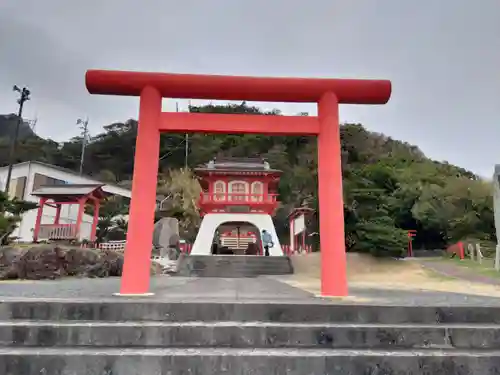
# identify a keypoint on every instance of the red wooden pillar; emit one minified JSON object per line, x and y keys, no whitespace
{"x":137,"y":262}
{"x":331,"y":205}
{"x":411,"y":234}
{"x":95,"y":220}
{"x":265,"y":191}
{"x":79,"y":217}
{"x":461,"y":250}
{"x":38,"y":221}
{"x":58,"y":214}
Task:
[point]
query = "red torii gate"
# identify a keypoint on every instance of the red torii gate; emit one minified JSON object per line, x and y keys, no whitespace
{"x":152,"y":87}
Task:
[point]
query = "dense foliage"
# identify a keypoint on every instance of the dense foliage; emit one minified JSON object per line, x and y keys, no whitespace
{"x":389,"y":186}
{"x":10,"y":215}
{"x":112,"y":223}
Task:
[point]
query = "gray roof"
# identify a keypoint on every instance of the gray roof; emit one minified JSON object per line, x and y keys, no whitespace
{"x":237,"y":164}
{"x":67,"y":189}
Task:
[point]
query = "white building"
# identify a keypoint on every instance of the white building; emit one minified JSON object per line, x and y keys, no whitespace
{"x":496,"y":212}
{"x":29,"y":176}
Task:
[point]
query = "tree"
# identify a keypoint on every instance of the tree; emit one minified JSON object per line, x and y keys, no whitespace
{"x":181,"y":192}
{"x":11,"y":211}
{"x":112,"y":224}
{"x":389,"y":186}
{"x":458,"y":209}
{"x":369,"y":226}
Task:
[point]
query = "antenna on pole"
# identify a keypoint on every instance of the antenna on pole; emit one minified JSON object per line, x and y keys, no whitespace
{"x":24,"y":96}
{"x":83,"y":124}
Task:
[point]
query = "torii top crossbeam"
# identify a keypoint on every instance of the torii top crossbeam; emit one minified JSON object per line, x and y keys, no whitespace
{"x":216,"y":87}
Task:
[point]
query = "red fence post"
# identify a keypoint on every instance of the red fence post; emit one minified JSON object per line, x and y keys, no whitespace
{"x":461,"y":250}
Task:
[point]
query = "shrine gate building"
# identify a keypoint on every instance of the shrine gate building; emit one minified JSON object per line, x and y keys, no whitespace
{"x":238,"y":199}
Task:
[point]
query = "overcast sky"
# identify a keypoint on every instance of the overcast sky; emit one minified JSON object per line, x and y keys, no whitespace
{"x":443,"y":57}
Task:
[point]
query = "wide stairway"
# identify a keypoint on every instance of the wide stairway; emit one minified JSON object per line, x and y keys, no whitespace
{"x":233,"y":265}
{"x":152,"y":338}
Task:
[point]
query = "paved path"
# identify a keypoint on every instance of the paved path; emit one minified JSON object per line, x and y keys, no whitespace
{"x":164,"y":287}
{"x":235,"y":289}
{"x":459,"y":272}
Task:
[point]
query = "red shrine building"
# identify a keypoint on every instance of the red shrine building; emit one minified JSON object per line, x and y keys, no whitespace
{"x":238,"y":199}
{"x":56,"y":196}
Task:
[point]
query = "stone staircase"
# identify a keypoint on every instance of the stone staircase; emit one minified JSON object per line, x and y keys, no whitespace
{"x":233,"y":265}
{"x":207,"y":338}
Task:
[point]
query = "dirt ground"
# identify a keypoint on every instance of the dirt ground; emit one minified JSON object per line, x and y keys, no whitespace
{"x":368,"y":272}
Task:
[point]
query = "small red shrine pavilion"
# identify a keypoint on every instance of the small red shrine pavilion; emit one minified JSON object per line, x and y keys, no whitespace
{"x":238,"y":185}
{"x":69,"y":194}
{"x":238,"y":199}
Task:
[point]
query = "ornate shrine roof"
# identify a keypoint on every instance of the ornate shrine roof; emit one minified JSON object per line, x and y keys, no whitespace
{"x":236,"y":165}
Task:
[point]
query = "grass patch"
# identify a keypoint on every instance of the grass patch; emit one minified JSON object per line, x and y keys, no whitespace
{"x":438,"y":276}
{"x":486,"y":268}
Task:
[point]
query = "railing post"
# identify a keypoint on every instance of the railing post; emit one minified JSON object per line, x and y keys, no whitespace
{"x":79,"y":218}
{"x":58,"y":214}
{"x":38,"y":221}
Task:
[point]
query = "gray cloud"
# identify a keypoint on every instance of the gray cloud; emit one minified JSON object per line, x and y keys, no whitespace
{"x":442,"y":56}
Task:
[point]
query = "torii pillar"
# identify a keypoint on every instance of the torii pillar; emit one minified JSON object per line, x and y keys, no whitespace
{"x":152,"y":87}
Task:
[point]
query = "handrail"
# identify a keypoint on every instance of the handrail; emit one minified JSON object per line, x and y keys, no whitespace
{"x":57,"y":231}
{"x":206,"y":197}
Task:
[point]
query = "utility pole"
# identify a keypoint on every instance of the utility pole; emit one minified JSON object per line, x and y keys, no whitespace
{"x":186,"y":153}
{"x":85,"y":133}
{"x":24,"y":96}
{"x":187,"y":143}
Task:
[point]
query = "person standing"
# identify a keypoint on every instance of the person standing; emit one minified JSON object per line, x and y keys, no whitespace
{"x":267,"y":241}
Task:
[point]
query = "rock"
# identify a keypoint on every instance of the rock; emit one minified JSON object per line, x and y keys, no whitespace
{"x":77,"y":261}
{"x":8,"y":254}
{"x":108,"y":264}
{"x":40,"y":262}
{"x":165,"y":235}
{"x":51,"y":261}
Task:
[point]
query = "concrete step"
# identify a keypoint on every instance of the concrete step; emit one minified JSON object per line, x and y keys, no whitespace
{"x":208,"y":361}
{"x":232,"y":265}
{"x":248,"y":335}
{"x":309,"y":311}
{"x":234,"y":272}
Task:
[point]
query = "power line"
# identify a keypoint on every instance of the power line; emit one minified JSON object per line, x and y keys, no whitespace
{"x":184,"y":142}
{"x":176,"y":148}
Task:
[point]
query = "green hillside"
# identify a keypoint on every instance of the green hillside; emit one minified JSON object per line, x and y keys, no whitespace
{"x":389,"y":186}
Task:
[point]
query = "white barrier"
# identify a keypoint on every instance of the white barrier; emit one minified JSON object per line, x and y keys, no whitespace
{"x":113,"y":245}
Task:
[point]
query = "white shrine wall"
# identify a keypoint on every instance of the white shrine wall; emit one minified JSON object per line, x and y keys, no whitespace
{"x":210,"y":223}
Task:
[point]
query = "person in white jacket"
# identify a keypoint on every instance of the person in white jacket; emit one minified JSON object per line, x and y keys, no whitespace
{"x":267,"y":241}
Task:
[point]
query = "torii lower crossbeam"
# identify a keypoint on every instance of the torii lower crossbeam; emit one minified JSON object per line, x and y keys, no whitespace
{"x":151,"y":87}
